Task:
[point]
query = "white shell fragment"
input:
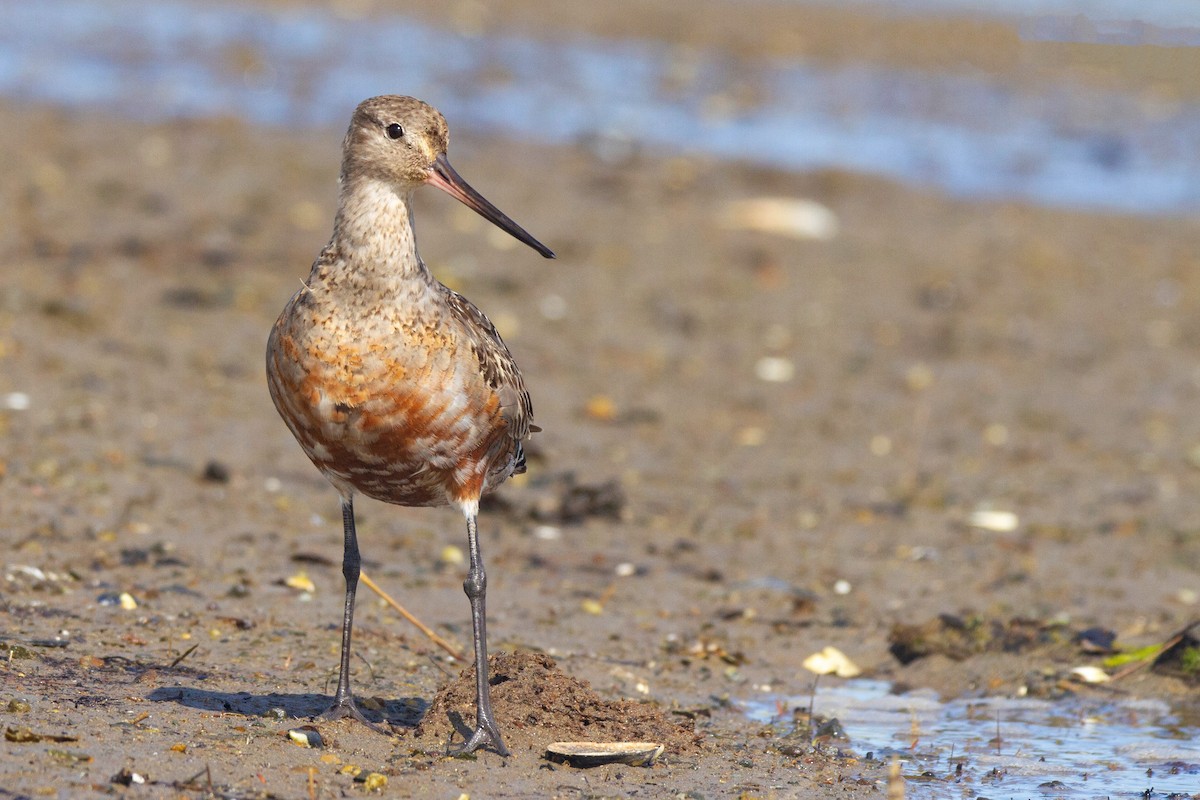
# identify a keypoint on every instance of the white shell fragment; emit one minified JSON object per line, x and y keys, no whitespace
{"x":306,"y":736}
{"x":794,"y":217}
{"x":300,"y":581}
{"x":23,"y":569}
{"x":992,"y":520}
{"x":832,"y":661}
{"x":15,"y":401}
{"x":1090,"y":674}
{"x":594,"y":754}
{"x":774,"y":369}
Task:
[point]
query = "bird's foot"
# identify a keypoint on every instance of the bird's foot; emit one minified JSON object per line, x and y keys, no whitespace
{"x":487,"y":734}
{"x":346,"y":707}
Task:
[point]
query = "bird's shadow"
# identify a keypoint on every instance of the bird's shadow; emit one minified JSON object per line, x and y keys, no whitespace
{"x":404,"y":712}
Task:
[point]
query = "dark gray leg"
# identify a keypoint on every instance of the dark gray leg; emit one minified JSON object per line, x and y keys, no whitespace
{"x":487,"y":732}
{"x":343,"y":700}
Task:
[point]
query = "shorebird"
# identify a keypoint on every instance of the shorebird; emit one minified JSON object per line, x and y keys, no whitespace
{"x":395,"y":386}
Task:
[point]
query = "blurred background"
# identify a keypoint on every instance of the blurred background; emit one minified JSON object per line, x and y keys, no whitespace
{"x":1083,"y":104}
{"x":871,"y":322}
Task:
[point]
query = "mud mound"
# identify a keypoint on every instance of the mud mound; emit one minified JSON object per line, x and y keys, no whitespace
{"x":537,"y":703}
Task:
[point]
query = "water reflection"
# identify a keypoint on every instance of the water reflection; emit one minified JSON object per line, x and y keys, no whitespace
{"x":1012,"y":747}
{"x":969,"y":134}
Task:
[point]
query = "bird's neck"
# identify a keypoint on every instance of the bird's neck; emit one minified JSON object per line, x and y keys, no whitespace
{"x":374,"y":245}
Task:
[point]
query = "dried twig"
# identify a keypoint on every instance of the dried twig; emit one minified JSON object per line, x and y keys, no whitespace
{"x":1164,"y":647}
{"x":425,"y":629}
{"x":182,"y":656}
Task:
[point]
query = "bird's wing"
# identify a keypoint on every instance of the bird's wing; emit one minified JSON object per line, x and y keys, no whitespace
{"x":496,"y":365}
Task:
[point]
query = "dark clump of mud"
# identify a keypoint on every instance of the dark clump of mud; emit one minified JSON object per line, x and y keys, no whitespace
{"x":537,"y":703}
{"x":959,"y":638}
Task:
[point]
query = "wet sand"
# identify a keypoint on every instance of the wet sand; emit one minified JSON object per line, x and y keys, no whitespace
{"x":946,"y":356}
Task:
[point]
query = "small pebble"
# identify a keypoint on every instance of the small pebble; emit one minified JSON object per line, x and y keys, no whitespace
{"x":32,"y":572}
{"x":375,"y":781}
{"x":1089,"y":674}
{"x":601,"y":407}
{"x":306,"y":736}
{"x":16,"y":401}
{"x":127,"y":602}
{"x":774,"y":369}
{"x":547,"y":533}
{"x":992,"y":520}
{"x":301,"y":581}
{"x":794,"y":217}
{"x":832,"y":661}
{"x":452,"y":556}
{"x":215,"y":472}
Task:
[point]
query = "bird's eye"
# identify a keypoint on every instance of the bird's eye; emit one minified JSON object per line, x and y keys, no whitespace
{"x":394,"y":130}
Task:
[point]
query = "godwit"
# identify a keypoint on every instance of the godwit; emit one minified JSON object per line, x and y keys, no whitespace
{"x":394,"y":385}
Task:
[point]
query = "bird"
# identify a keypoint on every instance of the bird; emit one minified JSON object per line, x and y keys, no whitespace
{"x":395,"y":386}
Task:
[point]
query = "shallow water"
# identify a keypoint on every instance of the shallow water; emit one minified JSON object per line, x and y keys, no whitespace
{"x":1166,"y":13}
{"x":1008,"y":747}
{"x":968,"y":134}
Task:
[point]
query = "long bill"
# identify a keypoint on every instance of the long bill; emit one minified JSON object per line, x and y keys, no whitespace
{"x":443,"y":176}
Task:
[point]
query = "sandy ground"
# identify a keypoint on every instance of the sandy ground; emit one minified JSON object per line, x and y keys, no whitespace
{"x":937,"y":358}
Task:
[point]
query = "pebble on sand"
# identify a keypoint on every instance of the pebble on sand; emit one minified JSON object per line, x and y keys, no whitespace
{"x":774,"y":369}
{"x":832,"y":661}
{"x":1089,"y":674}
{"x":794,"y":217}
{"x":993,"y":520}
{"x":16,"y":401}
{"x":301,"y":581}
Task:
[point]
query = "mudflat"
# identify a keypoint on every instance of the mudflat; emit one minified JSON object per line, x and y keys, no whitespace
{"x":753,"y":447}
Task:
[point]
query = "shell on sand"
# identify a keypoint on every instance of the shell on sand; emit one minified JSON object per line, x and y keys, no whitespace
{"x":593,"y":754}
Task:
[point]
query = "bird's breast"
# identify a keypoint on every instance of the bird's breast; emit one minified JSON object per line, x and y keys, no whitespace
{"x":399,"y":412}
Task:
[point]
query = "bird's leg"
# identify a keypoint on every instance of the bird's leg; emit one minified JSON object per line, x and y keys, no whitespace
{"x":343,"y":700}
{"x":487,"y":732}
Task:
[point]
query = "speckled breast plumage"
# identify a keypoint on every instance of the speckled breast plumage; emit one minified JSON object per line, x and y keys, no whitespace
{"x":403,"y":405}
